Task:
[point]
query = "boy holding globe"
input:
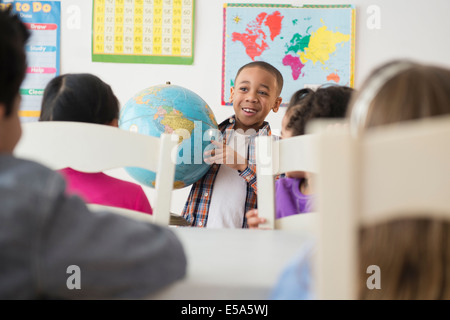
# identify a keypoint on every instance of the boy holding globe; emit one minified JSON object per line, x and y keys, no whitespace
{"x":210,"y":203}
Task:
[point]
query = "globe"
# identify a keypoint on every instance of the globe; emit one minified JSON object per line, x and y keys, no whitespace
{"x":172,"y":109}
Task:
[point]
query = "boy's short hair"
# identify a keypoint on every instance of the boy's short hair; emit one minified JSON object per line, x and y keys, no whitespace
{"x":269,"y":68}
{"x":13,"y":64}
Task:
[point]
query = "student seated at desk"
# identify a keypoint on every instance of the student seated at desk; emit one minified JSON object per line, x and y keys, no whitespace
{"x":86,"y":98}
{"x":295,"y":192}
{"x":412,"y":270}
{"x":51,"y":245}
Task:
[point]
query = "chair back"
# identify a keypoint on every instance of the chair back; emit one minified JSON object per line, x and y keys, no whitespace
{"x":274,"y":157}
{"x":391,"y":172}
{"x":94,"y":148}
{"x":136,"y":215}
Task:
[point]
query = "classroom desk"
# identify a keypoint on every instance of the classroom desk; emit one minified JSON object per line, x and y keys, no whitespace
{"x":232,"y":264}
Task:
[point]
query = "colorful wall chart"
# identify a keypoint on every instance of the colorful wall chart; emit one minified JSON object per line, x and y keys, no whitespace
{"x":43,"y":19}
{"x":143,"y":31}
{"x":311,"y":45}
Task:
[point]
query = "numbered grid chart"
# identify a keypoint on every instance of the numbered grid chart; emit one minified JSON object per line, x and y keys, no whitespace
{"x":143,"y":31}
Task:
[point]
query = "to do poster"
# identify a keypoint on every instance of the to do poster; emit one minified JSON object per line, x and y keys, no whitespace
{"x":43,"y":20}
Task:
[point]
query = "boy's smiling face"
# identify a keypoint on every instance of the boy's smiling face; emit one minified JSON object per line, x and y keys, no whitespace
{"x":254,"y":94}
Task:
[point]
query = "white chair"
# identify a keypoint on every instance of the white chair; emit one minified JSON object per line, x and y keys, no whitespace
{"x":122,"y":211}
{"x":175,"y":219}
{"x":93,"y":148}
{"x":274,"y":157}
{"x":392,"y":172}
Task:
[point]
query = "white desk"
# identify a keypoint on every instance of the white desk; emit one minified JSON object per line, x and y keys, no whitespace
{"x":232,"y":264}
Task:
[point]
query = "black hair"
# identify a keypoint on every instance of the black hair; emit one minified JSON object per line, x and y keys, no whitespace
{"x":325,"y":102}
{"x":13,"y":62}
{"x":269,"y":68}
{"x":80,"y":97}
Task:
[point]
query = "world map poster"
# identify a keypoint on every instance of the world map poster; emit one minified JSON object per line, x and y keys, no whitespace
{"x":312,"y":45}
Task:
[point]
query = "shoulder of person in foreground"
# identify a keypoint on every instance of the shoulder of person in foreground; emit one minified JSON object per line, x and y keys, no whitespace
{"x":114,"y":257}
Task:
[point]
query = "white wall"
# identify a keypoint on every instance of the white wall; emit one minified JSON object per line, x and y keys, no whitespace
{"x":408,"y":29}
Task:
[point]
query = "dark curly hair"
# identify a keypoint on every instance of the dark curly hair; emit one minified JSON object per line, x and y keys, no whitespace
{"x":325,"y":102}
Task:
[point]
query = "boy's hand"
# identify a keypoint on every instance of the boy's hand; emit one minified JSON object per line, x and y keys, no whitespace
{"x":224,"y":154}
{"x":253,"y":220}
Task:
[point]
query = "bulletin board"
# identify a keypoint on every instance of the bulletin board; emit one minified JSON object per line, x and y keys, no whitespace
{"x":311,"y":45}
{"x":143,"y":31}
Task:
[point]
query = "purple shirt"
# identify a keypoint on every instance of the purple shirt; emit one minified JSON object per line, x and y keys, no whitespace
{"x":289,"y":199}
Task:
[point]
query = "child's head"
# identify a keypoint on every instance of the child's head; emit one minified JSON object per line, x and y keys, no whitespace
{"x":307,"y":104}
{"x":412,"y":254}
{"x":13,"y":36}
{"x":401,"y":91}
{"x":79,"y":97}
{"x":256,"y":92}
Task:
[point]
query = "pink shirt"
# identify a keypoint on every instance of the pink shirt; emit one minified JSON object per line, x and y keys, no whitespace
{"x":99,"y":188}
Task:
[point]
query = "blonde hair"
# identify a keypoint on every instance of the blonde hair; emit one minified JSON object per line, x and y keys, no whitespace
{"x":413,"y":257}
{"x":400,"y":91}
{"x":413,"y":254}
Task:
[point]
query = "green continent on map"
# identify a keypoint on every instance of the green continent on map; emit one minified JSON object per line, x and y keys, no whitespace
{"x":254,"y":39}
{"x":298,"y":43}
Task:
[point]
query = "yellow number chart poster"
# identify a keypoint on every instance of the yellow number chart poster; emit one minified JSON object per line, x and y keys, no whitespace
{"x":143,"y":31}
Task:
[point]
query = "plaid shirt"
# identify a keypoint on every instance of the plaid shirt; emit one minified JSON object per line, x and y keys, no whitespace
{"x":197,"y":206}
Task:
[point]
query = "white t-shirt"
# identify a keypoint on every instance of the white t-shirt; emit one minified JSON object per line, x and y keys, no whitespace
{"x":229,"y":193}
